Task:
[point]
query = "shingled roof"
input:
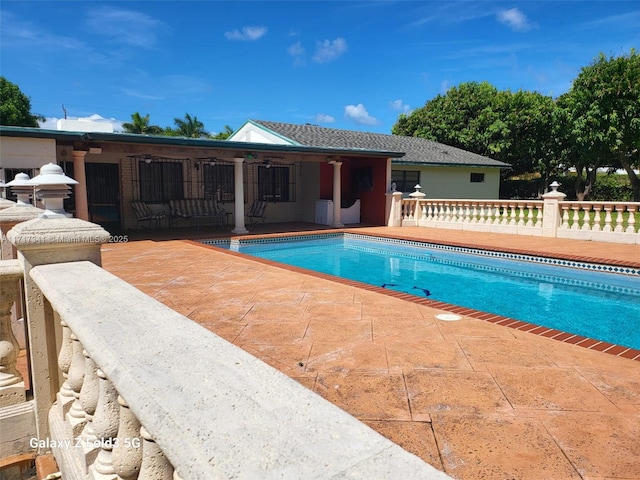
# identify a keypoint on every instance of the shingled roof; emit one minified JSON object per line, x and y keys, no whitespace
{"x":418,"y":151}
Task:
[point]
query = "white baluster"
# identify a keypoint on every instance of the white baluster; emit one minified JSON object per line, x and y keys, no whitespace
{"x":474,"y":212}
{"x":467,"y":213}
{"x":619,"y":219}
{"x":575,"y":216}
{"x":76,"y":415}
{"x":513,"y":220}
{"x":10,"y":391}
{"x":565,"y":217}
{"x":430,"y":212}
{"x":105,"y":425}
{"x":539,"y":214}
{"x":155,"y":465}
{"x":631,"y":223}
{"x":607,"y":218}
{"x":65,"y":396}
{"x":503,"y":214}
{"x":89,"y":395}
{"x":586,"y":221}
{"x":529,"y":215}
{"x":494,"y":213}
{"x":520,"y":215}
{"x":127,"y":452}
{"x":597,"y":220}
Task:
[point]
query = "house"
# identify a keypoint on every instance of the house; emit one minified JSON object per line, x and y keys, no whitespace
{"x":115,"y":169}
{"x":441,"y":170}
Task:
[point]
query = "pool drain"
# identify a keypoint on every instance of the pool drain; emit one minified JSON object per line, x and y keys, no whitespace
{"x":448,"y":317}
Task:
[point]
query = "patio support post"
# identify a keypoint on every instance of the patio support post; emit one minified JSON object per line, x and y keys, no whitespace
{"x":337,"y":200}
{"x":82,"y":206}
{"x":239,"y":196}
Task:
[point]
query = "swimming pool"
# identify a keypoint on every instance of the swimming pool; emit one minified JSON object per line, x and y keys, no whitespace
{"x":586,"y":299}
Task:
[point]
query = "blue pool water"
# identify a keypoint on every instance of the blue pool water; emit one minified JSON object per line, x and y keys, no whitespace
{"x":594,"y":304}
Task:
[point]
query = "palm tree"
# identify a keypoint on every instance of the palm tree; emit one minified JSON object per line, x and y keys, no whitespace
{"x":189,"y":127}
{"x":140,"y":124}
{"x":224,"y":134}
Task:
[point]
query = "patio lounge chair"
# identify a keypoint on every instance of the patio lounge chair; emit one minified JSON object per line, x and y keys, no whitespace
{"x":144,"y":213}
{"x":257,"y":210}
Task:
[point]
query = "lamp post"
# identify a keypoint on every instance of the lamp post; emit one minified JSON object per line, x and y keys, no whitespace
{"x":52,"y":187}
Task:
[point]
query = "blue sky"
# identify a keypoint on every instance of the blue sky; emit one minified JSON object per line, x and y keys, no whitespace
{"x":340,"y":64}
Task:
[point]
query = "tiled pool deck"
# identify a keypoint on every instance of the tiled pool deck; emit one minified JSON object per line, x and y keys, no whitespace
{"x":473,"y":398}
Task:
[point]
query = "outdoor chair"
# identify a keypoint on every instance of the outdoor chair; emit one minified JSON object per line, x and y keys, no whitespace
{"x":257,"y":210}
{"x":144,"y":213}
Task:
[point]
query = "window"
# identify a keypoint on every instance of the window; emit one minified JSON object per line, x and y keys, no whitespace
{"x":276,"y":183}
{"x":161,"y":181}
{"x":477,"y":177}
{"x":405,"y":180}
{"x":219,"y":182}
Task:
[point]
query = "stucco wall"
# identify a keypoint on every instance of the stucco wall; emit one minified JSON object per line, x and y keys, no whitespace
{"x":26,"y":153}
{"x":455,"y":182}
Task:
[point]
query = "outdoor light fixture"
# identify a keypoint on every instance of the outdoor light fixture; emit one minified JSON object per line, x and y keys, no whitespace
{"x":22,"y":187}
{"x":52,"y":187}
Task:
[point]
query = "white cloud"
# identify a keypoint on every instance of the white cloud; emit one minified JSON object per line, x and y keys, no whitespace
{"x":358,"y":113}
{"x":297,"y":52}
{"x":515,"y":19}
{"x":324,"y":118}
{"x":398,"y":106}
{"x":328,"y":50}
{"x":444,"y":86}
{"x":124,"y":26}
{"x":247,"y":33}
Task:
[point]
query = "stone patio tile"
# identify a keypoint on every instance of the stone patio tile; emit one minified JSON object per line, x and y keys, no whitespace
{"x":334,"y":311}
{"x":621,"y":387}
{"x":501,"y":351}
{"x":330,"y":330}
{"x":549,"y":389}
{"x":414,"y":328}
{"x":210,"y":310}
{"x":439,"y":391}
{"x":364,"y":358}
{"x":499,"y":447}
{"x":471,"y":327}
{"x":289,"y":359}
{"x":227,"y":330}
{"x":382,"y":305}
{"x":412,"y":353}
{"x":275,"y":311}
{"x":366,"y":397}
{"x":598,"y":444}
{"x":414,"y":437}
{"x":272,"y":333}
{"x":327,"y":296}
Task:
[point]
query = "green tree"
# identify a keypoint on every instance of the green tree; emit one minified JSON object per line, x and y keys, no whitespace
{"x":140,"y":124}
{"x":224,"y":134}
{"x":603,"y":107}
{"x":189,"y":127}
{"x":15,"y":106}
{"x":465,"y":117}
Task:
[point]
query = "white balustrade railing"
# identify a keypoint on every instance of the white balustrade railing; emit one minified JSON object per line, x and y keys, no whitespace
{"x":617,"y":222}
{"x":149,"y":394}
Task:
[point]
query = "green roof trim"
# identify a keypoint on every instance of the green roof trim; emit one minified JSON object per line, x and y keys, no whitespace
{"x":66,"y":136}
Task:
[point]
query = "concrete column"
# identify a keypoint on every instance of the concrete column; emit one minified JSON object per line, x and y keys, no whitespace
{"x":337,"y":195}
{"x":551,"y":213}
{"x":44,"y":241}
{"x":239,"y":189}
{"x":82,"y":203}
{"x":394,"y":209}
